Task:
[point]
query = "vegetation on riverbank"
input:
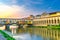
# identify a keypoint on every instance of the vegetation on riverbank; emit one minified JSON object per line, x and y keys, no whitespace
{"x":54,"y":27}
{"x":49,"y":27}
{"x":6,"y":35}
{"x":38,"y":27}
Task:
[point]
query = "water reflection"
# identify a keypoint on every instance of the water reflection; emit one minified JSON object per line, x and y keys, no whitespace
{"x":42,"y":33}
{"x":27,"y":36}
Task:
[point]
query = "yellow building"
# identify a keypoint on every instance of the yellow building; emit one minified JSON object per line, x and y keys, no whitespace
{"x":46,"y":19}
{"x":2,"y":27}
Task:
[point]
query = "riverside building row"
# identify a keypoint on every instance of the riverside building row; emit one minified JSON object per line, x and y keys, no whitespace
{"x":46,"y":19}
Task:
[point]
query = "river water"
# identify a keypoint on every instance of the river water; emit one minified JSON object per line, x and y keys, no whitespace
{"x":37,"y":34}
{"x":27,"y":36}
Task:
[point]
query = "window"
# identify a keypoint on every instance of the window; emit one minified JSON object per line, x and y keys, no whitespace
{"x":58,"y":20}
{"x":52,"y":21}
{"x":49,"y":21}
{"x":55,"y":21}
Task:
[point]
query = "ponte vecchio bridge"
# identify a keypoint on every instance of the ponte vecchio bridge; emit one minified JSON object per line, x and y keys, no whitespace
{"x":7,"y":22}
{"x":11,"y":21}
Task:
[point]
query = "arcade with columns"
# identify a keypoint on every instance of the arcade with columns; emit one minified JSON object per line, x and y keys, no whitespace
{"x":47,"y":19}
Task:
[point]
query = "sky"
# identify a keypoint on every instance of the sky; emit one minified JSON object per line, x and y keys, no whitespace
{"x":24,"y":8}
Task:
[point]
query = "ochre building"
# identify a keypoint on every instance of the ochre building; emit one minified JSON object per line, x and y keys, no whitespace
{"x":46,"y":19}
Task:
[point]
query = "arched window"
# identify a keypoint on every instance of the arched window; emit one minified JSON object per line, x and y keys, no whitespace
{"x":49,"y":21}
{"x":55,"y":21}
{"x":52,"y":21}
{"x":58,"y":20}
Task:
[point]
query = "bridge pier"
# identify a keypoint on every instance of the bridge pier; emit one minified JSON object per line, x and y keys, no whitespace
{"x":13,"y":29}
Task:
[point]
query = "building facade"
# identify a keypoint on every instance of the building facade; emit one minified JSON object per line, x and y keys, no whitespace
{"x":47,"y":19}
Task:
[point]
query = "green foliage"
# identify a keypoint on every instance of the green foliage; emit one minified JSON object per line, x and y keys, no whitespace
{"x":49,"y":27}
{"x":38,"y":27}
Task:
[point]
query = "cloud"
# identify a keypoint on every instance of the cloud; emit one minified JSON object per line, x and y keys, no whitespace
{"x":13,"y":11}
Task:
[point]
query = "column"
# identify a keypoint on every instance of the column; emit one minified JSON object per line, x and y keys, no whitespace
{"x":13,"y":30}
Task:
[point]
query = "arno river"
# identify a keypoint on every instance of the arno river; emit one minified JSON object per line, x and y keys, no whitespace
{"x":37,"y":34}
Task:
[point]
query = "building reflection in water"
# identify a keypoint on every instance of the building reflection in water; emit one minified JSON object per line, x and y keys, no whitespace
{"x":47,"y":34}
